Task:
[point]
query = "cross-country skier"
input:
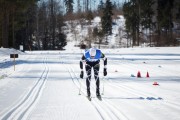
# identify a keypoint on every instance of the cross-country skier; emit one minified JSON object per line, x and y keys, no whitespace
{"x":92,"y":57}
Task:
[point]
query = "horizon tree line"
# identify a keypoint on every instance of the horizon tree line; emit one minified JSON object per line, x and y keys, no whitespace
{"x":156,"y":19}
{"x":41,"y":24}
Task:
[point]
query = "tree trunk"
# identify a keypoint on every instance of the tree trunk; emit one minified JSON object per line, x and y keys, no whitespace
{"x":53,"y":24}
{"x":13,"y":31}
{"x":5,"y":29}
{"x":1,"y":33}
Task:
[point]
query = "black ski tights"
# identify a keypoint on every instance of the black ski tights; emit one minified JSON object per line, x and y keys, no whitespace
{"x":96,"y":74}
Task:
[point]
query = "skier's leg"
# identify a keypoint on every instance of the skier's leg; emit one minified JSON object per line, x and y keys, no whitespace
{"x":96,"y":76}
{"x":88,"y":78}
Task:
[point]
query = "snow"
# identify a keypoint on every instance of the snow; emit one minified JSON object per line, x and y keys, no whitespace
{"x":45,"y":85}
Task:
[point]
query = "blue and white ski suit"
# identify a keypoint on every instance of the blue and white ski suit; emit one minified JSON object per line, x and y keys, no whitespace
{"x":92,"y":63}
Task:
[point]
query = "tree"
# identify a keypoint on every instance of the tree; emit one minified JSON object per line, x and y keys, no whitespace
{"x":89,"y":17}
{"x":101,"y":6}
{"x":69,"y":6}
{"x":106,"y":19}
{"x":98,"y":33}
{"x":9,"y":19}
{"x":50,"y":23}
{"x":164,"y":20}
{"x":146,"y":15}
{"x":137,"y":13}
{"x":42,"y":31}
{"x":131,"y":20}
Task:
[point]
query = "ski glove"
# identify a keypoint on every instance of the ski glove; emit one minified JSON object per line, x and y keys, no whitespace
{"x":105,"y":72}
{"x":82,"y":74}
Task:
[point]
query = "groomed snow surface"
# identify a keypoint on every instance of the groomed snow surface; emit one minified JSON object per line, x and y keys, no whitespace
{"x":46,"y":85}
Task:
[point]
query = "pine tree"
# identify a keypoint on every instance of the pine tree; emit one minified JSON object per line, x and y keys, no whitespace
{"x":137,"y":13}
{"x":106,"y":19}
{"x":132,"y":20}
{"x":10,"y":9}
{"x":165,"y":22}
{"x":146,"y":15}
{"x":50,"y":24}
{"x":101,"y":5}
{"x":69,"y":6}
{"x":100,"y":8}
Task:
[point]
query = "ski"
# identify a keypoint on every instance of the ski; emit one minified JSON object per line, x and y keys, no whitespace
{"x":89,"y":98}
{"x":99,"y":97}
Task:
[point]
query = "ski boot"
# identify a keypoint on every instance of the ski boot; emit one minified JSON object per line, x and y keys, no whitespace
{"x":88,"y":93}
{"x":98,"y":94}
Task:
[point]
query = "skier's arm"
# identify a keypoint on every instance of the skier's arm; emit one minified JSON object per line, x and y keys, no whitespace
{"x":81,"y":62}
{"x":81,"y":66}
{"x":105,"y":64}
{"x":105,"y":60}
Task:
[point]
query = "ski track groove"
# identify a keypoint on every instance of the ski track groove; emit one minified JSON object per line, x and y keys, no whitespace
{"x":137,"y":93}
{"x":21,"y":108}
{"x":105,"y":110}
{"x":116,"y":110}
{"x":22,"y":72}
{"x":83,"y":92}
{"x":112,"y":109}
{"x":175,"y":105}
{"x":134,"y":90}
{"x":123,"y":116}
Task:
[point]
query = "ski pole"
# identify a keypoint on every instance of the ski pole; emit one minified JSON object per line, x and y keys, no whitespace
{"x":80,"y":87}
{"x":103,"y":86}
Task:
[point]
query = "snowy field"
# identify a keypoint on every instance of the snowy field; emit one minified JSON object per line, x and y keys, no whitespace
{"x":46,"y":85}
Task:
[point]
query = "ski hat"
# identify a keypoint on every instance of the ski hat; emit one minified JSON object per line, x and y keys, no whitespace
{"x":92,"y":52}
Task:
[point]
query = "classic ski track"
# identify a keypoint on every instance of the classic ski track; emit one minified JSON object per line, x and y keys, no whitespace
{"x":160,"y":71}
{"x":115,"y":109}
{"x":137,"y":93}
{"x":169,"y":104}
{"x":83,"y":92}
{"x":123,"y":114}
{"x":104,"y":108}
{"x":147,"y":65}
{"x":118,"y":114}
{"x":21,"y":108}
{"x":98,"y":108}
{"x":22,"y":72}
